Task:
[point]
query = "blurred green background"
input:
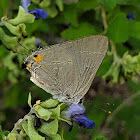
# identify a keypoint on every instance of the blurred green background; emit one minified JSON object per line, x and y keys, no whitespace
{"x":119,"y":20}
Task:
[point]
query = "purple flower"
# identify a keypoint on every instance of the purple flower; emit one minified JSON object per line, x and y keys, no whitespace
{"x":76,"y":113}
{"x":38,"y":13}
{"x":25,"y":4}
{"x":37,"y":42}
{"x":130,"y":16}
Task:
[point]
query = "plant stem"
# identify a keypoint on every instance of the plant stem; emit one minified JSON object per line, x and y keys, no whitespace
{"x":113,"y":49}
{"x":103,"y":14}
{"x":20,"y":121}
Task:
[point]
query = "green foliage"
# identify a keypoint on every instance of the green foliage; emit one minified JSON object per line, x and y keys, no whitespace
{"x":29,"y":100}
{"x":49,"y":118}
{"x":51,"y":7}
{"x":127,"y":67}
{"x":134,"y":29}
{"x":127,"y":114}
{"x":71,"y":14}
{"x":118,"y":28}
{"x":8,"y":41}
{"x":18,"y":31}
{"x":3,"y":134}
{"x":100,"y":138}
{"x":129,"y":2}
{"x":85,"y":6}
{"x":131,"y":65}
{"x":22,"y":17}
{"x":84,"y":29}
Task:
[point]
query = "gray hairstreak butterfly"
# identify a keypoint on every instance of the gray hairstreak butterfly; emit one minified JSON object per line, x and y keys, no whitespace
{"x":67,"y":70}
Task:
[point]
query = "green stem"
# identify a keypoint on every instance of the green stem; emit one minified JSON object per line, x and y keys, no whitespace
{"x":103,"y":14}
{"x":20,"y":121}
{"x":113,"y":48}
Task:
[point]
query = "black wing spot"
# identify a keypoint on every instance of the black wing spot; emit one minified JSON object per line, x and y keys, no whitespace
{"x":35,"y":55}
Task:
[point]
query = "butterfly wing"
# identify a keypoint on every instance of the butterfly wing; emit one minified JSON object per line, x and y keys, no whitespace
{"x":67,"y":70}
{"x":88,"y":54}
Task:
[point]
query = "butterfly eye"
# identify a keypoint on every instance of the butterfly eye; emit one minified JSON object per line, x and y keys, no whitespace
{"x":24,"y":65}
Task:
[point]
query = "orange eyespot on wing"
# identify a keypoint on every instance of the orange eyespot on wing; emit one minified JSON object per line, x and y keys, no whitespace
{"x":38,"y":58}
{"x":41,"y":83}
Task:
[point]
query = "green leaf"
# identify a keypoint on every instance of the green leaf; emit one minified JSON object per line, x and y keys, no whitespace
{"x":128,"y":113}
{"x":100,"y":138}
{"x":36,"y":1}
{"x":56,"y":111}
{"x":0,"y":129}
{"x":130,"y":2}
{"x":51,"y":103}
{"x":1,"y":133}
{"x":45,"y":3}
{"x":133,"y":87}
{"x":3,"y":74}
{"x":134,"y":29}
{"x":64,"y":119}
{"x":137,"y":13}
{"x":121,"y":49}
{"x":6,"y":133}
{"x":109,"y":4}
{"x":134,"y":43}
{"x":22,"y":17}
{"x":42,"y":113}
{"x":49,"y":128}
{"x":4,"y":5}
{"x":32,"y":133}
{"x":118,"y":28}
{"x":9,"y":41}
{"x":18,"y":30}
{"x":59,"y":3}
{"x":60,"y":132}
{"x":71,"y":14}
{"x":104,"y":66}
{"x":12,"y":78}
{"x":84,"y":29}
{"x":29,"y":100}
{"x":11,"y":137}
{"x":29,"y":43}
{"x":14,"y":97}
{"x":55,"y":136}
{"x":25,"y":127}
{"x":8,"y":61}
{"x":114,"y":71}
{"x":3,"y":52}
{"x":87,"y":5}
{"x":52,"y":11}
